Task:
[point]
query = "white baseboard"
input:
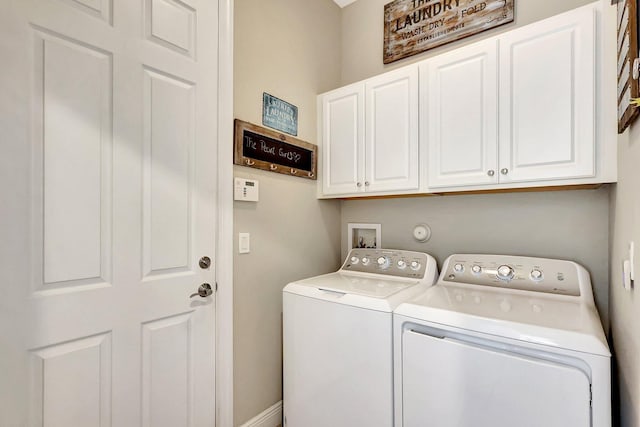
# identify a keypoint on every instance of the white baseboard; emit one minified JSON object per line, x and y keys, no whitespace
{"x":270,"y":417}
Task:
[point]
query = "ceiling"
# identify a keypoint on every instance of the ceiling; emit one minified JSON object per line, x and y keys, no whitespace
{"x":343,"y":3}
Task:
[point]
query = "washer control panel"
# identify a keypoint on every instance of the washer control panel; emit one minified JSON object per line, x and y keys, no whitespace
{"x":387,"y":261}
{"x":524,"y":273}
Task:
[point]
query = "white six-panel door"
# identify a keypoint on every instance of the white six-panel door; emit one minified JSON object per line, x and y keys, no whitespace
{"x":109,"y":145}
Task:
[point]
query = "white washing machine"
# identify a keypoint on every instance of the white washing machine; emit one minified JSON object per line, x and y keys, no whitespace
{"x":337,"y":338}
{"x":502,"y":341}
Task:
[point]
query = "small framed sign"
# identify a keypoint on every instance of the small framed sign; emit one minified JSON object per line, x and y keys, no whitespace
{"x":413,"y":26}
{"x":279,"y":114}
{"x":265,"y":149}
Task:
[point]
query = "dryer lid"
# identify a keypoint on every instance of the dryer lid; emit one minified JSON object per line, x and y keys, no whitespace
{"x":558,"y":321}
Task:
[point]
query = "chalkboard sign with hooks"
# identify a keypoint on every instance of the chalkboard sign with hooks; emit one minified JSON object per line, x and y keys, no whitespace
{"x":262,"y":148}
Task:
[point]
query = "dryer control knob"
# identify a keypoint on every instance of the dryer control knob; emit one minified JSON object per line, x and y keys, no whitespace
{"x":505,"y":272}
{"x":415,"y":265}
{"x":383,"y":262}
{"x":476,"y":269}
{"x":458,"y":268}
{"x":401,"y":264}
{"x":536,"y":274}
{"x":365,"y":261}
{"x":354,"y":260}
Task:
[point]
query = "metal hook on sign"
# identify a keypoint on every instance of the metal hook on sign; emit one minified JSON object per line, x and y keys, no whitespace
{"x":273,"y":167}
{"x":293,"y":171}
{"x":311,"y":174}
{"x":250,"y":162}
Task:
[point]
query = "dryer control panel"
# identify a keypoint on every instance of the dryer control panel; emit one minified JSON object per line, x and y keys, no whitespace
{"x":387,"y":261}
{"x":514,"y":272}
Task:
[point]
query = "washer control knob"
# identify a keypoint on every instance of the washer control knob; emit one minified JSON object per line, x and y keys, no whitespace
{"x":365,"y":261}
{"x":458,"y":268}
{"x":401,"y":264}
{"x":354,"y":260}
{"x":505,"y":272}
{"x":383,"y":262}
{"x":415,"y":265}
{"x":476,"y":269}
{"x":536,"y":274}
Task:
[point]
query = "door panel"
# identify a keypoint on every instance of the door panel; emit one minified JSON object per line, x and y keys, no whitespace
{"x":171,"y":24}
{"x":168,"y":172}
{"x":167,"y":371}
{"x":81,"y":399}
{"x":71,"y":99}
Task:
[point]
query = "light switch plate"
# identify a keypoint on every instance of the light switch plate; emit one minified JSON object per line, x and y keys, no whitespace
{"x":626,"y":275}
{"x":632,"y":261}
{"x":244,"y":243}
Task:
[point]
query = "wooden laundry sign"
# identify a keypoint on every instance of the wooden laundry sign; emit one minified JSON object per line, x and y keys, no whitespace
{"x":413,"y":26}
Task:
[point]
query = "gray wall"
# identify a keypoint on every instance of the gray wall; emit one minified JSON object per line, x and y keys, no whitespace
{"x":362,"y":34}
{"x":287,"y":48}
{"x":624,"y":306}
{"x":557,"y":224}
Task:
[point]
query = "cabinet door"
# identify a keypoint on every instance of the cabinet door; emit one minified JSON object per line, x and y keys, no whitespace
{"x":343,"y":140}
{"x":461,"y":116}
{"x":391,"y":147}
{"x":547,"y":99}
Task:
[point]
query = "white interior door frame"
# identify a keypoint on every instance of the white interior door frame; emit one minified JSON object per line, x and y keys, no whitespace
{"x":224,"y":246}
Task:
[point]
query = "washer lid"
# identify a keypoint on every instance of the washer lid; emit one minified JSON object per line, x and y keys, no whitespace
{"x":368,"y":285}
{"x":369,"y":291}
{"x":554,"y":320}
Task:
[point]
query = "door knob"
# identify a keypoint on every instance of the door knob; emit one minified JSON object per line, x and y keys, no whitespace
{"x":204,"y":291}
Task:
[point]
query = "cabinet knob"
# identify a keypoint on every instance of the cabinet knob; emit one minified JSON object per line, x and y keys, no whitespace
{"x":366,"y":183}
{"x":359,"y":184}
{"x":491,"y":172}
{"x":504,"y":171}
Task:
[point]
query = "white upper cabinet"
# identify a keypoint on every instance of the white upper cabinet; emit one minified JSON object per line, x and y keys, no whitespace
{"x":391,"y":148}
{"x":342,"y":121}
{"x":462,"y":115}
{"x":547,"y":99}
{"x":530,"y":107}
{"x":370,"y":136}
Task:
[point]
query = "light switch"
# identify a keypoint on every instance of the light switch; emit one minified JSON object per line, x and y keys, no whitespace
{"x":244,"y":243}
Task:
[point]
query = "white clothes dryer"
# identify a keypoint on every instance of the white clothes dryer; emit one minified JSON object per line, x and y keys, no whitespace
{"x":502,"y":341}
{"x":337,"y":338}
